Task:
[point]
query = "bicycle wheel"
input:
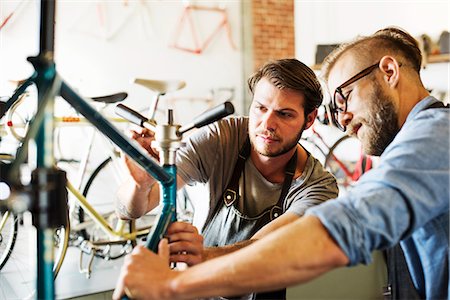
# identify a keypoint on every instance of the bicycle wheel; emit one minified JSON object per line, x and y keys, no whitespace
{"x":8,"y":234}
{"x":341,"y":161}
{"x":82,"y":217}
{"x":100,"y":191}
{"x":18,"y":272}
{"x":19,"y":116}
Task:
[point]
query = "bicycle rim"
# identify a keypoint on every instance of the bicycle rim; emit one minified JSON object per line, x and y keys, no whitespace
{"x":100,"y":190}
{"x":19,"y":271}
{"x":19,"y":115}
{"x":9,"y":226}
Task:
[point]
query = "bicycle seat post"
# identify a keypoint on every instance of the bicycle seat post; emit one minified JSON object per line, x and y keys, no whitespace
{"x":152,"y":108}
{"x":160,"y":87}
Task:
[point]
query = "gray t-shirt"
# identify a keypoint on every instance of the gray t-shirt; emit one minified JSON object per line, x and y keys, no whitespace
{"x":211,"y":153}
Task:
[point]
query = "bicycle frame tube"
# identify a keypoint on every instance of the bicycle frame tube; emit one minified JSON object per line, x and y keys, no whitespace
{"x":19,"y":91}
{"x":3,"y":220}
{"x":166,"y":175}
{"x":99,"y":219}
{"x":114,"y":135}
{"x":168,"y":211}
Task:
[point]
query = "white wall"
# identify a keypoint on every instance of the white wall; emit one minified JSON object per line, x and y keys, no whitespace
{"x":333,"y":21}
{"x":97,"y":65}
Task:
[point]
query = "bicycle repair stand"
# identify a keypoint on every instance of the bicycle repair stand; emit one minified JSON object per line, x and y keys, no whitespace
{"x":48,"y":184}
{"x":49,"y":206}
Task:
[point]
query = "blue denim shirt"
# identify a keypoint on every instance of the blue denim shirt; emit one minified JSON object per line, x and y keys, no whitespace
{"x":406,"y":199}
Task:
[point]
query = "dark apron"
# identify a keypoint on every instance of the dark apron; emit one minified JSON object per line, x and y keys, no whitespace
{"x":229,"y":225}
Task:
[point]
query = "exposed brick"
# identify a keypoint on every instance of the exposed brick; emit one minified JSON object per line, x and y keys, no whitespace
{"x":273,"y":30}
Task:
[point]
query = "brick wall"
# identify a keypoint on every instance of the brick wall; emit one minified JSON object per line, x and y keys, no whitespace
{"x":273,"y":30}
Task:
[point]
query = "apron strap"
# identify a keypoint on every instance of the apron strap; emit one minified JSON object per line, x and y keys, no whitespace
{"x":277,"y":210}
{"x":231,"y":193}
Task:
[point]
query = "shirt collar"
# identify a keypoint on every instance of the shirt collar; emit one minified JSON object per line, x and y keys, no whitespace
{"x":421,"y":105}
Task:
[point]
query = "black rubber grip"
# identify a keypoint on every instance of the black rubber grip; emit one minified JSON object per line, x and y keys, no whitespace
{"x":130,"y":115}
{"x":214,"y":114}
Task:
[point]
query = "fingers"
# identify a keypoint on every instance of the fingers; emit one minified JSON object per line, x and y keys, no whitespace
{"x":190,"y":260}
{"x":125,"y":273}
{"x":144,"y":274}
{"x":145,"y":137}
{"x":181,"y":227}
{"x":119,"y":290}
{"x":192,"y":246}
{"x":163,"y":250}
{"x":185,"y":243}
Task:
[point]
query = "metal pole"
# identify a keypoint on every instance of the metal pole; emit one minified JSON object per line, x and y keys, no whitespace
{"x":45,"y":68}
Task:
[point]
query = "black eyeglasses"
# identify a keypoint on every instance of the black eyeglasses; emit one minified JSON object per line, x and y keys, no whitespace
{"x":339,"y":104}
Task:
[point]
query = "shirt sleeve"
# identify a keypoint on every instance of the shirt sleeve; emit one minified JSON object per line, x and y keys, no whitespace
{"x":209,"y":149}
{"x":319,"y":186}
{"x":408,"y":189}
{"x":196,"y":158}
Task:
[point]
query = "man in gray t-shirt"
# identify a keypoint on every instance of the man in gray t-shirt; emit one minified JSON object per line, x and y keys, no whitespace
{"x":210,"y":156}
{"x":259,"y":177}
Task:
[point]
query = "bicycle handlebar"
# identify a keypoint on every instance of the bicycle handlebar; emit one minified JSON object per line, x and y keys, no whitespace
{"x":130,"y":115}
{"x":209,"y":116}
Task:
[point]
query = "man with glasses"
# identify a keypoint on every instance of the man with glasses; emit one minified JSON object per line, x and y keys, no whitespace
{"x":405,"y":200}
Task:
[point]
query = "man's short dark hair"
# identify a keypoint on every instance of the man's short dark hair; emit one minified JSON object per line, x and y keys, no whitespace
{"x":291,"y":74}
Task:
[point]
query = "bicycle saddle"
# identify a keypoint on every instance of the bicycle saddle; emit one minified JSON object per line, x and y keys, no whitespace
{"x":161,"y":86}
{"x":108,"y":99}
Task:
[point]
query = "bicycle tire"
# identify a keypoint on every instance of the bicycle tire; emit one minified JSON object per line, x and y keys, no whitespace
{"x":17,"y":120}
{"x":335,"y":166}
{"x":8,"y":236}
{"x":92,"y":233}
{"x":21,"y":260}
{"x":81,"y":214}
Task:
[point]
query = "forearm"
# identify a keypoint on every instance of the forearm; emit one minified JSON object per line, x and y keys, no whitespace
{"x":296,"y":253}
{"x":134,"y":200}
{"x":213,"y":252}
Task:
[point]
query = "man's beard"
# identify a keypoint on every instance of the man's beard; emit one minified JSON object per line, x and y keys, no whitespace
{"x":289,"y":145}
{"x":381,"y":122}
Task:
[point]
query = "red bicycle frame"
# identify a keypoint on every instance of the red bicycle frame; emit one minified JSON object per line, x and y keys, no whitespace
{"x":199,"y":47}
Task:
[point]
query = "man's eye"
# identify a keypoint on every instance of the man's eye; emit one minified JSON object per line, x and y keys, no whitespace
{"x":285,"y":114}
{"x":339,"y":99}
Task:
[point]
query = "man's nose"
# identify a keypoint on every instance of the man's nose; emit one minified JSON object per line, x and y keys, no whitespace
{"x":269,"y":120}
{"x":345,"y":118}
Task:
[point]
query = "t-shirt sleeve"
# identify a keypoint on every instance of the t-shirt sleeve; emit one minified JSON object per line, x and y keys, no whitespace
{"x":196,"y":158}
{"x":208,"y":149}
{"x":318,"y":186}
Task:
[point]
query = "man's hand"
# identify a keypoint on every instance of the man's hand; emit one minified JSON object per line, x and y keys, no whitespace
{"x":146,"y":275}
{"x":144,"y":137}
{"x":185,"y":243}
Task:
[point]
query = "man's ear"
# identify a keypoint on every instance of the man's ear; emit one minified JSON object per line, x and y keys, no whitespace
{"x":310,"y":118}
{"x":391,"y":70}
